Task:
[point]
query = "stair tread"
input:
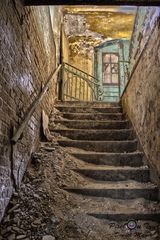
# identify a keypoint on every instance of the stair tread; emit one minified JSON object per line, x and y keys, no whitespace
{"x":91,"y":121}
{"x":117,"y":206}
{"x":113,"y":168}
{"x":122,"y":190}
{"x":135,"y":159}
{"x":87,"y":107}
{"x":145,"y":211}
{"x":94,"y":130}
{"x":104,"y":153}
{"x":91,"y":113}
{"x":146,"y":214}
{"x":97,"y":141}
{"x":101,"y":145}
{"x":87,"y":102}
{"x":143,"y":215}
{"x":115,"y":185}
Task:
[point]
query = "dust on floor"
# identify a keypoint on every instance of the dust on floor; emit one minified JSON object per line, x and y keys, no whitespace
{"x":43,"y":209}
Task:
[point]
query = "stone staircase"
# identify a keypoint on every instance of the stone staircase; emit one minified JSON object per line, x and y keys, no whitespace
{"x":117,"y":179}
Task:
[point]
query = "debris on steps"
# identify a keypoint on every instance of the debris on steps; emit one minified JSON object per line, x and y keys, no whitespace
{"x":42,"y":210}
{"x":62,"y":199}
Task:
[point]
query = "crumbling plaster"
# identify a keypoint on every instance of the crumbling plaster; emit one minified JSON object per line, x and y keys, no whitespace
{"x":88,"y":27}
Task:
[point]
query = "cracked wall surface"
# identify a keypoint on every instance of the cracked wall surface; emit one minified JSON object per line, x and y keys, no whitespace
{"x":28,"y":56}
{"x":142,"y":96}
{"x":144,"y":23}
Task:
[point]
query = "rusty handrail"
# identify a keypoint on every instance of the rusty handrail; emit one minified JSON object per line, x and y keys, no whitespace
{"x":34,"y":105}
{"x":79,"y":85}
{"x":81,"y":71}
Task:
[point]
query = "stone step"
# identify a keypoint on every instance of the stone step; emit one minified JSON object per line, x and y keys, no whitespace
{"x":101,"y":146}
{"x":134,"y":159}
{"x":109,"y":167}
{"x":79,"y":109}
{"x":92,"y":124}
{"x":102,"y":134}
{"x":120,"y":217}
{"x":88,"y":104}
{"x":119,"y":209}
{"x":112,"y":173}
{"x":91,"y":116}
{"x":118,"y":190}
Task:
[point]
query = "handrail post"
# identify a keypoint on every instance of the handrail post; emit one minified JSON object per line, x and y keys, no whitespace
{"x":62,"y":81}
{"x":60,"y":85}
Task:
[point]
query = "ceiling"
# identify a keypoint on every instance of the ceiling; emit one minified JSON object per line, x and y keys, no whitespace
{"x":89,"y":26}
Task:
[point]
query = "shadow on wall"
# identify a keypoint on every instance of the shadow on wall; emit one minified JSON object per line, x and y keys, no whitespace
{"x":27,"y":59}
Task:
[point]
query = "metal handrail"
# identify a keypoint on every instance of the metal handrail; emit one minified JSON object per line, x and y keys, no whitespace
{"x":84,"y":78}
{"x":79,"y":85}
{"x":89,"y":84}
{"x":34,"y":105}
{"x":81,"y":71}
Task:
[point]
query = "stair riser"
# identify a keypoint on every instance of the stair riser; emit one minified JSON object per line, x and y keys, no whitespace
{"x":93,"y":125}
{"x":97,"y":135}
{"x":88,"y":110}
{"x":126,"y":217}
{"x":116,"y":175}
{"x":149,"y":194}
{"x":101,"y":146}
{"x":99,"y":116}
{"x":111,"y":160}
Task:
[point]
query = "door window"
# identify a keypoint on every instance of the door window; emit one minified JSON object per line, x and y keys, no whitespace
{"x":110,"y":68}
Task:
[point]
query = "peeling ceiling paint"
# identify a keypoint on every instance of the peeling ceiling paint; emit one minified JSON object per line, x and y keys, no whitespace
{"x":111,"y":24}
{"x":87,"y":27}
{"x":84,"y":9}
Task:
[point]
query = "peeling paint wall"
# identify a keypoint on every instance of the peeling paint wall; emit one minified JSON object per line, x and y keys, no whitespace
{"x":144,"y":23}
{"x":65,"y":46}
{"x":83,"y":62}
{"x":56,"y":20}
{"x":81,"y":43}
{"x":141,"y":99}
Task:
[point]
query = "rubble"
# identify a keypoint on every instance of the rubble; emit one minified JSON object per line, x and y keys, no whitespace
{"x":48,"y":237}
{"x":42,"y":210}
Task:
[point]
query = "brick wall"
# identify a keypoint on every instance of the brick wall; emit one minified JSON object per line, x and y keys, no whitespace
{"x":141,"y":99}
{"x":27,"y":58}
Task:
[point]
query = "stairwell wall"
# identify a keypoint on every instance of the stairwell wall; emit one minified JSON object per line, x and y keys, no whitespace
{"x":141,"y":99}
{"x":28,"y":56}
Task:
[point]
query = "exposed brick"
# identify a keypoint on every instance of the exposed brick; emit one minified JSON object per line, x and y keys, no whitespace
{"x":26,"y":61}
